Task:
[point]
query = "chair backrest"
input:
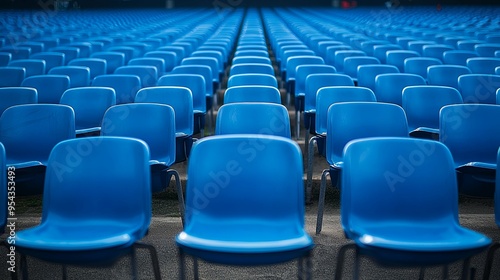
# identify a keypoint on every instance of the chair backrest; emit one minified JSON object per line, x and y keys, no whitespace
{"x":129,"y":52}
{"x":113,"y":60}
{"x":252,"y":93}
{"x":329,"y":95}
{"x":418,"y":65}
{"x":252,"y":79}
{"x":11,"y":76}
{"x":483,"y":65}
{"x":397,"y":58}
{"x":354,"y":120}
{"x":352,"y":63}
{"x":253,"y":118}
{"x":33,"y":67}
{"x":159,"y":63}
{"x":85,"y":49}
{"x":389,"y":87}
{"x":89,"y":104}
{"x":215,"y":54}
{"x":17,"y":52}
{"x":203,"y":70}
{"x":245,"y":166}
{"x":340,"y":55}
{"x":151,"y":122}
{"x":97,"y":66}
{"x":70,"y":53}
{"x":251,"y":53}
{"x":251,"y":59}
{"x":251,"y":68}
{"x":147,"y":74}
{"x":5,"y":58}
{"x":304,"y":70}
{"x":179,"y":52}
{"x":29,"y":132}
{"x":294,"y":61}
{"x":446,"y":75}
{"x":170,"y":59}
{"x":380,"y":175}
{"x":11,"y":96}
{"x":195,"y":83}
{"x":316,"y":81}
{"x":422,"y":104}
{"x":380,"y":51}
{"x":49,"y":87}
{"x":367,"y":73}
{"x":125,"y":86}
{"x":79,"y":76}
{"x":479,"y":88}
{"x":122,"y":178}
{"x":213,"y":63}
{"x":458,"y":57}
{"x":470,"y":132}
{"x":436,"y":50}
{"x":487,"y":50}
{"x":52,"y":59}
{"x":179,"y":98}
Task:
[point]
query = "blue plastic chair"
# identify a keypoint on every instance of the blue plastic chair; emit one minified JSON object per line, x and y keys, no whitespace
{"x":128,"y":51}
{"x":436,"y":51}
{"x":251,"y":53}
{"x":114,"y":60}
{"x":389,"y":87}
{"x":251,"y":59}
{"x":158,"y":63}
{"x":397,"y":58}
{"x":418,"y":45}
{"x":211,"y":53}
{"x":97,"y":66}
{"x":169,"y":58}
{"x":49,"y":87}
{"x":352,"y":63}
{"x":380,"y":51}
{"x":422,"y":105}
{"x":478,"y":88}
{"x":347,"y":121}
{"x":196,"y":84}
{"x":67,"y":232}
{"x":256,"y":239}
{"x":11,"y":96}
{"x":79,"y":76}
{"x":125,"y":86}
{"x":486,"y":50}
{"x":33,"y":67}
{"x":368,"y":73}
{"x":446,"y":75}
{"x":251,"y":68}
{"x":29,"y":132}
{"x":181,"y":100}
{"x":374,"y":185}
{"x":154,"y":124}
{"x":468,"y":131}
{"x":85,"y":49}
{"x":206,"y":72}
{"x":252,"y":93}
{"x":89,"y":104}
{"x":331,"y":52}
{"x":458,"y":57}
{"x":52,"y":59}
{"x":5,"y":58}
{"x":70,"y":53}
{"x":147,"y":74}
{"x":313,"y":83}
{"x":179,"y":52}
{"x":483,"y":65}
{"x":253,"y":118}
{"x":418,"y":65}
{"x":252,"y":79}
{"x":11,"y":76}
{"x":17,"y":52}
{"x":209,"y":61}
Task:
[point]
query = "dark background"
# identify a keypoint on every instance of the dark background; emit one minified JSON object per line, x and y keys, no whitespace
{"x":34,"y":4}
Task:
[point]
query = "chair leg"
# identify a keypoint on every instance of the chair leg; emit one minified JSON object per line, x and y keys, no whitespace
{"x":489,"y":260}
{"x":445,"y":272}
{"x":24,"y":267}
{"x":310,"y":149}
{"x":356,"y":265}
{"x":133,"y":264}
{"x":154,"y":258}
{"x":309,"y":266}
{"x":465,"y":269}
{"x":341,"y":258}
{"x":300,"y":268}
{"x":180,"y":194}
{"x":422,"y":274}
{"x":195,"y":268}
{"x":321,"y":201}
{"x":297,"y":125}
{"x":65,"y":271}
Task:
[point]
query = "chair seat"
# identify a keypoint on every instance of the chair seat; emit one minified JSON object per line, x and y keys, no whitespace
{"x":76,"y":238}
{"x":396,"y":244}
{"x":252,"y":244}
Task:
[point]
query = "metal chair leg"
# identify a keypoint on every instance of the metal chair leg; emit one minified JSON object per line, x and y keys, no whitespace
{"x":309,"y":266}
{"x":195,"y":268}
{"x":321,"y":201}
{"x":310,"y":151}
{"x":64,"y":271}
{"x":133,"y":264}
{"x":466,"y":269}
{"x":356,"y":264}
{"x":24,"y":267}
{"x":182,"y":265}
{"x":489,"y":260}
{"x":300,"y":268}
{"x":341,"y":258}
{"x":154,"y":258}
{"x":180,"y":194}
{"x":297,"y":124}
